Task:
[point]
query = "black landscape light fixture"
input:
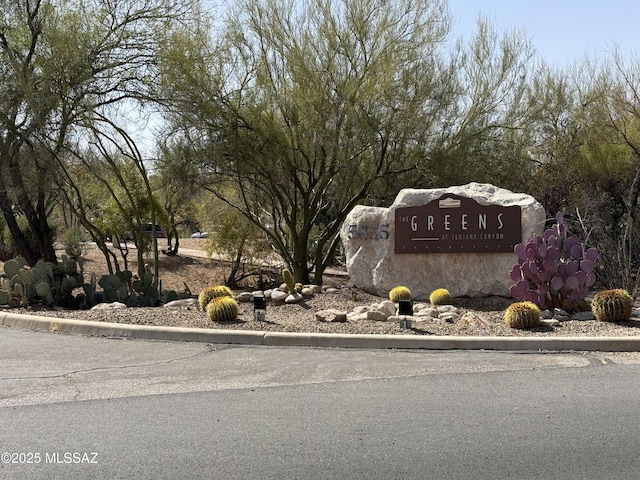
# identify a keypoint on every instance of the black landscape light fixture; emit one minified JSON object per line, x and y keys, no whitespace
{"x":259,"y":307}
{"x":405,"y":309}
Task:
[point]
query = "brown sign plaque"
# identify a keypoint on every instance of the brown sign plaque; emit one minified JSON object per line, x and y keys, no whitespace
{"x":455,"y":224}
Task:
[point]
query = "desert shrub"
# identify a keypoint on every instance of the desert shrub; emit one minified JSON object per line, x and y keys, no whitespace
{"x":73,"y":241}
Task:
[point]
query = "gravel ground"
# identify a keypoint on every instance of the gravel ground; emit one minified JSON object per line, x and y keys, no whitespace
{"x":478,"y":316}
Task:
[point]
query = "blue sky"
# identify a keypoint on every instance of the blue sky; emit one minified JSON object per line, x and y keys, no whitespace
{"x":562,"y":31}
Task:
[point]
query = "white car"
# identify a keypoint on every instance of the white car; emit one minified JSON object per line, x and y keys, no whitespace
{"x":200,"y":235}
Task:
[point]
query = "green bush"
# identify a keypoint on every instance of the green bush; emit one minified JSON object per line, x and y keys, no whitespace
{"x":73,"y":241}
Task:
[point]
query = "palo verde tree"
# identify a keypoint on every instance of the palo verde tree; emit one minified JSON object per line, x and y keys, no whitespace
{"x":66,"y":67}
{"x":486,"y":134}
{"x":300,"y":108}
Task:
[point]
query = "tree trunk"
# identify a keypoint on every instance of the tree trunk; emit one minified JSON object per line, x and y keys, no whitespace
{"x":19,"y":239}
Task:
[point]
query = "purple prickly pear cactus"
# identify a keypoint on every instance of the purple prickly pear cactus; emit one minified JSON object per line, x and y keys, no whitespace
{"x":553,"y":269}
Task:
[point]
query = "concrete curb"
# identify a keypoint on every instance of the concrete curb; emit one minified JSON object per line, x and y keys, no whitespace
{"x":244,"y":337}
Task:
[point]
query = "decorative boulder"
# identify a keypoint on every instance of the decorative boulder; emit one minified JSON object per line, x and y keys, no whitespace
{"x":459,"y":238}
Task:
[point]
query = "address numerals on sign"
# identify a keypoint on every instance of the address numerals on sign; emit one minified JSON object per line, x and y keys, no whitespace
{"x":368,"y":232}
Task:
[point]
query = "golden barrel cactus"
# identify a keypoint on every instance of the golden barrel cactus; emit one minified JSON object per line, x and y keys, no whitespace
{"x":209,"y":293}
{"x":522,"y":315}
{"x":612,"y":305}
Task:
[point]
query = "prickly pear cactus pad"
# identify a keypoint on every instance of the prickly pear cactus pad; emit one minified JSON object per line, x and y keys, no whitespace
{"x":554,"y":269}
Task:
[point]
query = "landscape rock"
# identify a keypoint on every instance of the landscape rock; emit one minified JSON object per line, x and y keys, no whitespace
{"x":278,"y":297}
{"x":425,"y":316}
{"x":331,"y":315}
{"x":376,"y":316}
{"x":447,"y":308}
{"x":472,"y":320}
{"x":561,"y":315}
{"x":362,"y":309}
{"x":427,"y":312}
{"x":108,"y":306}
{"x":374,"y":267}
{"x":307,"y":292}
{"x":356,"y":317}
{"x":182,"y":303}
{"x":450,"y":317}
{"x":244,"y":297}
{"x":387,"y":307}
{"x":550,"y":322}
{"x":294,"y":298}
{"x":583,"y":316}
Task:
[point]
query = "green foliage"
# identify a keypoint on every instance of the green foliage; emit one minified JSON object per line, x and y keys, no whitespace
{"x":440,"y":296}
{"x":354,"y":88}
{"x":70,"y":68}
{"x":222,"y":309}
{"x":612,"y":305}
{"x":399,"y":293}
{"x":73,"y":241}
{"x":234,"y":238}
{"x":116,"y":286}
{"x":209,"y":293}
{"x":522,"y":315}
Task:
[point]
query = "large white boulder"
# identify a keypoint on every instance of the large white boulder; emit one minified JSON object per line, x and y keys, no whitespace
{"x":369,"y":238}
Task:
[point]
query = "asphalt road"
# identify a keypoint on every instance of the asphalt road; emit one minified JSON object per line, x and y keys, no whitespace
{"x":76,"y":407}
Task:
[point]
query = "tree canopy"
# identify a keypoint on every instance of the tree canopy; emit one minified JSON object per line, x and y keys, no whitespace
{"x":292,"y":112}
